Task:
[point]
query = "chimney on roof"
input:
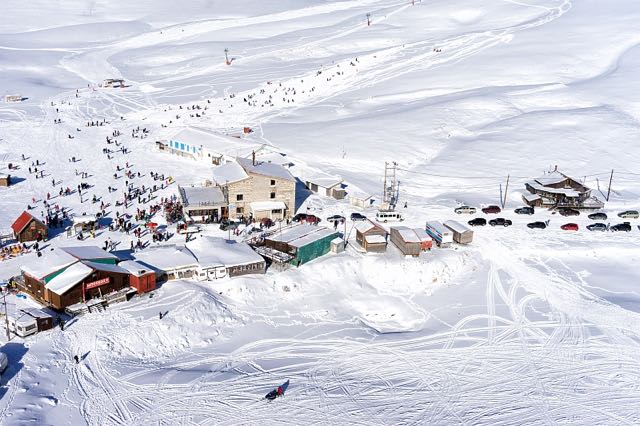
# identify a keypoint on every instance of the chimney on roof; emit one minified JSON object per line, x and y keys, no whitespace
{"x":253,"y":157}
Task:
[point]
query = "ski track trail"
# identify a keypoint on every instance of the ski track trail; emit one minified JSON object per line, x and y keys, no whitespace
{"x":545,"y":370}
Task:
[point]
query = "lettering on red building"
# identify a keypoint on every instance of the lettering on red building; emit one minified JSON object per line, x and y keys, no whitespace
{"x":98,"y":283}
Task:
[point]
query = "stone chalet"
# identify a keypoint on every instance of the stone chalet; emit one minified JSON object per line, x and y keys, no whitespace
{"x":257,"y":188}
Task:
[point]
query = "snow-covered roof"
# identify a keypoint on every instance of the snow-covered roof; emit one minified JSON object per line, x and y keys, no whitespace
{"x":105,"y":267}
{"x":212,"y":142}
{"x":50,"y":262}
{"x":202,"y":196}
{"x":360,"y":196}
{"x":324,"y":180}
{"x":84,"y":219}
{"x":551,"y":178}
{"x":229,"y":173}
{"x":265,"y":168}
{"x":167,"y":257}
{"x":88,"y":253}
{"x":134,"y":268}
{"x":567,"y":192}
{"x":71,"y":276}
{"x":337,"y":240}
{"x":290,"y":234}
{"x":375,"y":239}
{"x":422,"y":234}
{"x":259,"y":206}
{"x":408,"y":235}
{"x":456,"y":226}
{"x":214,"y":251}
{"x":367,"y":225}
{"x":36,"y":313}
{"x":531,"y":197}
{"x":310,"y":238}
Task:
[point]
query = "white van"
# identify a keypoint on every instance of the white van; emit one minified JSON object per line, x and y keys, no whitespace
{"x":388,"y":216}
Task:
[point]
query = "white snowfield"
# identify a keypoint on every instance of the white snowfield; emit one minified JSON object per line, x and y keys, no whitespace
{"x":522,"y":326}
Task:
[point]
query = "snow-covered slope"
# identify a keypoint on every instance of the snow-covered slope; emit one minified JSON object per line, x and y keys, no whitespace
{"x":522,"y":326}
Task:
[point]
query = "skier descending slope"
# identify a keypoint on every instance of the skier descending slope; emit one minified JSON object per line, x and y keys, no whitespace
{"x":279,"y":391}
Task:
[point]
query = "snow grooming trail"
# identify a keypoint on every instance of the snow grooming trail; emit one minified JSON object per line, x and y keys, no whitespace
{"x":544,"y":369}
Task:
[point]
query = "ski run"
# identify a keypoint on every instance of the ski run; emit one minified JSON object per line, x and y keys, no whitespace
{"x":304,"y":212}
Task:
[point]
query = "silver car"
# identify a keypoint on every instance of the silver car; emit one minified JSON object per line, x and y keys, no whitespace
{"x":465,"y":209}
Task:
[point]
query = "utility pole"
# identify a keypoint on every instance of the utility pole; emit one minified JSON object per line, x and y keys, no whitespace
{"x":6,"y":315}
{"x":368,"y":19}
{"x":610,"y":180}
{"x":506,"y":189}
{"x":390,"y":193}
{"x":226,"y":56}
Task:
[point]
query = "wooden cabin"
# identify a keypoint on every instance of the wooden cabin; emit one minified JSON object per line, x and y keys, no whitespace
{"x":28,"y":228}
{"x":371,"y":237}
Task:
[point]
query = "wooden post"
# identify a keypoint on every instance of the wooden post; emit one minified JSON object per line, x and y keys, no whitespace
{"x":226,"y":56}
{"x":505,"y":192}
{"x":610,"y":180}
{"x":368,"y":19}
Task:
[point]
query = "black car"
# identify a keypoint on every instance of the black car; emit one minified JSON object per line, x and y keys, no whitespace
{"x":358,"y":216}
{"x":625,"y":226}
{"x":537,"y":225}
{"x":598,"y":216}
{"x":335,"y":218}
{"x":500,"y":221}
{"x":569,"y":212}
{"x":478,"y":221}
{"x":525,"y":210}
{"x":597,"y":227}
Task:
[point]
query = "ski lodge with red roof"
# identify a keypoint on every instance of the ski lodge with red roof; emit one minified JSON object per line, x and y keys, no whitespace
{"x":28,"y":228}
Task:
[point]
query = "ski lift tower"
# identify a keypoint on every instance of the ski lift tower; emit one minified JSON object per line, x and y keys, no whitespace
{"x":390,"y":193}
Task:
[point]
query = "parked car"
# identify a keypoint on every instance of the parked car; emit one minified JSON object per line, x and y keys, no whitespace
{"x":336,"y":218}
{"x":478,"y":221}
{"x":525,"y":210}
{"x":625,"y":226}
{"x":500,"y":221}
{"x":598,"y":216}
{"x":357,"y":216}
{"x":537,"y":225}
{"x":569,"y":212}
{"x":599,"y":226}
{"x":465,"y":209}
{"x":226,"y":225}
{"x":306,"y":218}
{"x":491,"y":209}
{"x":629,"y":214}
{"x":570,"y":227}
{"x":266,"y":222}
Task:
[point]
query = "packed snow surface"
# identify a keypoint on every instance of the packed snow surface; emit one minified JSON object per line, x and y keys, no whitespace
{"x":523,"y":326}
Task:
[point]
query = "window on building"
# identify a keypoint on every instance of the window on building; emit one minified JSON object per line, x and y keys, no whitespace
{"x":239,"y":197}
{"x":239,"y":210}
{"x":182,"y":146}
{"x":273,"y":182}
{"x":273,"y":195}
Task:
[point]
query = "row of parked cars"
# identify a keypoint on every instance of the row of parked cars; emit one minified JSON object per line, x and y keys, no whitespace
{"x":500,"y":221}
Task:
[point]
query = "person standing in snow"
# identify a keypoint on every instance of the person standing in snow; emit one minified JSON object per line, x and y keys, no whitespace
{"x":76,"y":359}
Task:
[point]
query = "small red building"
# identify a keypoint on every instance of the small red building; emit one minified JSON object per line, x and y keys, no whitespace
{"x":142,"y":278}
{"x":28,"y":228}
